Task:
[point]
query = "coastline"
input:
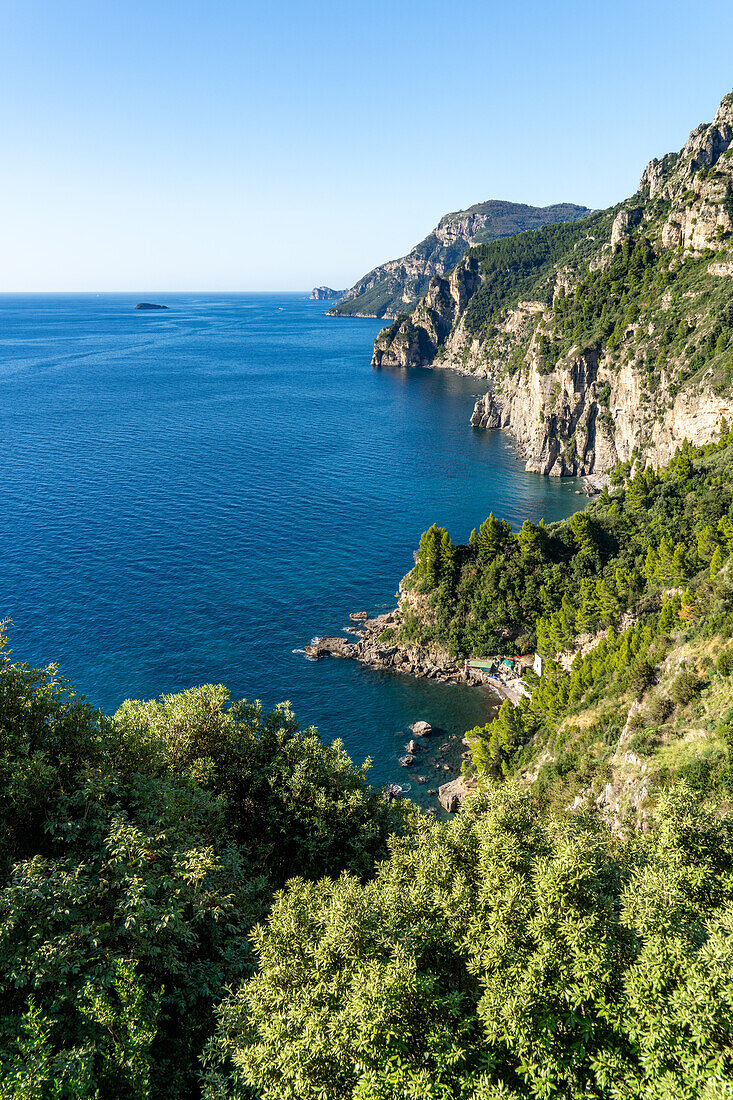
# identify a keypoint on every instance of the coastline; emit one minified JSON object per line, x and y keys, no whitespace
{"x":376,"y":651}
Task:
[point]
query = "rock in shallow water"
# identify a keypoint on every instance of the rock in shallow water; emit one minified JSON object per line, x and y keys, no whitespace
{"x":335,"y":647}
{"x":422,"y":729}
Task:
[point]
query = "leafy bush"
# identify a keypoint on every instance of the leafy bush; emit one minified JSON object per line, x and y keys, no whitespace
{"x":136,"y":854}
{"x":643,"y":742}
{"x":724,"y":663}
{"x":658,"y":708}
{"x":685,"y":687}
{"x":502,"y":956}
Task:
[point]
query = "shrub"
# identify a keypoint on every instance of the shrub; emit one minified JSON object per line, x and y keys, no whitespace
{"x":685,"y":687}
{"x":659,"y":708}
{"x":724,"y":664}
{"x":643,"y":742}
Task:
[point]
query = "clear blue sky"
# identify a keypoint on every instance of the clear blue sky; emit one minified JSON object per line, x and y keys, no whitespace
{"x":222,"y":145}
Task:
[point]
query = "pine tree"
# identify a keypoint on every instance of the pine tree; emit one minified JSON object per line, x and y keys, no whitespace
{"x":446,"y":557}
{"x":492,"y":536}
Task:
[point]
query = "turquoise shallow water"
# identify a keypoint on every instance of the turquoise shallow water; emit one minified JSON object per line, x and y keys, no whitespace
{"x":191,"y":495}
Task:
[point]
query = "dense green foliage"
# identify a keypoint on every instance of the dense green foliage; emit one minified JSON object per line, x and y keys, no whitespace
{"x":136,"y":854}
{"x":544,"y":585}
{"x":502,"y":956}
{"x":639,"y":569}
{"x":199,"y":899}
{"x":523,"y":266}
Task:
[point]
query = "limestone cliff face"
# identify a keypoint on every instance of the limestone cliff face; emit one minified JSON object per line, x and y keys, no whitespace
{"x":415,"y":341}
{"x":580,"y":403}
{"x":325,"y":294}
{"x":394,"y":287}
{"x":584,"y":417}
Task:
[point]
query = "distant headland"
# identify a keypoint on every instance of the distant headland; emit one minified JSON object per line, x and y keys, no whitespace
{"x":326,"y":294}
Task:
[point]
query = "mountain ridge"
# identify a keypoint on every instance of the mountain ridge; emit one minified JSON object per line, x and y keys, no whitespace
{"x":395,"y":286}
{"x":605,"y":338}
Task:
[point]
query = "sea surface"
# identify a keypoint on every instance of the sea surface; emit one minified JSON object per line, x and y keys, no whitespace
{"x":192,"y":495}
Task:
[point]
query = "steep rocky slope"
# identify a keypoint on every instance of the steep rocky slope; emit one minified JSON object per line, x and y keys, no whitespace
{"x":396,"y":286}
{"x":601,"y":339}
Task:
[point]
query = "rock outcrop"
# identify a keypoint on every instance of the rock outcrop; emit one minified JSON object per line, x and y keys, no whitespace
{"x":394,"y":287}
{"x":452,"y":794}
{"x":376,"y":649}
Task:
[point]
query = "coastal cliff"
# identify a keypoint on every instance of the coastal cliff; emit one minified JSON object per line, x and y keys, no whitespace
{"x":604,"y":339}
{"x":325,"y":294}
{"x":395,"y":287}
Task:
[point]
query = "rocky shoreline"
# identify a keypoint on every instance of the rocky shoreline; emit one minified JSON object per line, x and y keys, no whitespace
{"x":444,"y":761}
{"x":374,"y":647}
{"x":377,"y":652}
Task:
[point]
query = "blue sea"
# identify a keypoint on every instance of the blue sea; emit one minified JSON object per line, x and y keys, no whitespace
{"x":192,"y":495}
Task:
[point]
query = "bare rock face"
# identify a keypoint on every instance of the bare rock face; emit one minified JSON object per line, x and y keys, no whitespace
{"x":452,"y":794}
{"x":414,"y":341}
{"x":487,"y":412}
{"x":623,"y":226}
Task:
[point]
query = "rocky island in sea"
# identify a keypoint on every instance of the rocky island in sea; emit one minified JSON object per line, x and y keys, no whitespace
{"x":149,"y":305}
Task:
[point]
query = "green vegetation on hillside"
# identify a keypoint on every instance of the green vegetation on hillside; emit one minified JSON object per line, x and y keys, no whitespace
{"x":382,"y":292}
{"x":524,"y":266}
{"x":199,"y":899}
{"x":640,"y":587}
{"x":507,"y":955}
{"x":506,"y":592}
{"x":136,"y":855}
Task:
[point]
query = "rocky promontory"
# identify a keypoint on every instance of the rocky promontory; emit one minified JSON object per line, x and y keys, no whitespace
{"x":376,"y":649}
{"x":325,"y":294}
{"x":394,"y":287}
